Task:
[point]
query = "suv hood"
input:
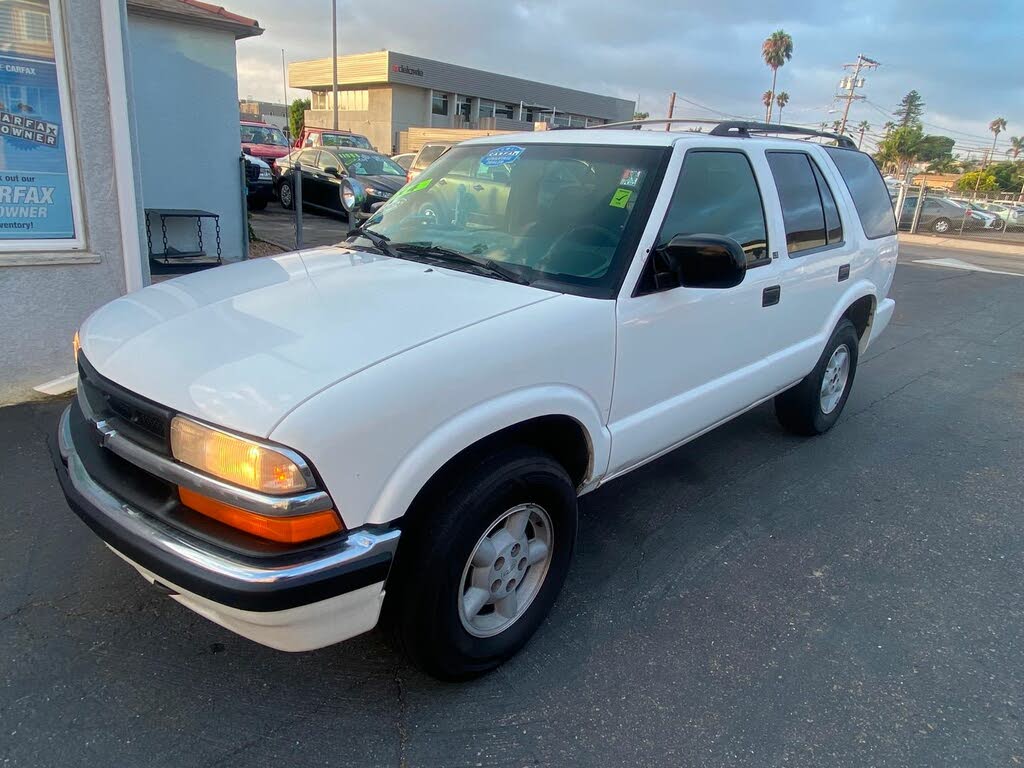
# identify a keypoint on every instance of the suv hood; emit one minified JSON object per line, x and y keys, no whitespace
{"x":267,"y":150}
{"x":242,"y":345}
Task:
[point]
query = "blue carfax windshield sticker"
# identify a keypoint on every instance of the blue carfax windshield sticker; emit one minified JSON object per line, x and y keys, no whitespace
{"x":502,"y":156}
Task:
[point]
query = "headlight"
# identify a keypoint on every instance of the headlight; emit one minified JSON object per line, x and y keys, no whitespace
{"x":237,"y":460}
{"x":383,"y":194}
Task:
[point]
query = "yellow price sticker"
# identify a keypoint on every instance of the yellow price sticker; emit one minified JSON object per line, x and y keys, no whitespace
{"x":621,"y":198}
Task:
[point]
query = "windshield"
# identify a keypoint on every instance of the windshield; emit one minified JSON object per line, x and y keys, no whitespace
{"x":365,"y":164}
{"x":258,"y":134}
{"x":345,"y":140}
{"x":553,"y":213}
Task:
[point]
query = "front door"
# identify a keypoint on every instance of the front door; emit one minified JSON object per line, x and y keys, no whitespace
{"x":688,"y":358}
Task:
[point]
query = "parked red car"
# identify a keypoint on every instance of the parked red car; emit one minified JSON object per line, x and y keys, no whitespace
{"x":264,"y":141}
{"x":326,"y":137}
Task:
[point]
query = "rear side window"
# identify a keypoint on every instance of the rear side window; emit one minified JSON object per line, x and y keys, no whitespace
{"x":871,"y":198}
{"x":833,"y":225}
{"x":429,"y":154}
{"x":717,"y":194}
{"x":802,"y":210}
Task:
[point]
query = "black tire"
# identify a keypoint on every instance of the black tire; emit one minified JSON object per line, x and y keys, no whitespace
{"x":799,"y":409}
{"x":941,"y":225}
{"x":286,"y":195}
{"x":425,"y":587}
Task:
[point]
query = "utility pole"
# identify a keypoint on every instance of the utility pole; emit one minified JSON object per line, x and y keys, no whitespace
{"x":334,"y":59}
{"x":284,"y":89}
{"x":852,"y":82}
{"x":671,"y":109}
{"x":861,"y":139}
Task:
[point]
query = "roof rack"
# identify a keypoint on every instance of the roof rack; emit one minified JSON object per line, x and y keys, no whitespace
{"x":748,"y":127}
{"x":737,"y":128}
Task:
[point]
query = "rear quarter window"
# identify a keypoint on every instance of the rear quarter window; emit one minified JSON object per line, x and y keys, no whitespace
{"x":870,"y":197}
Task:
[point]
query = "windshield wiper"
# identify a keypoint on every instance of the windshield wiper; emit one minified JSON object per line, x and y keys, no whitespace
{"x":447,"y":254}
{"x":379,"y":241}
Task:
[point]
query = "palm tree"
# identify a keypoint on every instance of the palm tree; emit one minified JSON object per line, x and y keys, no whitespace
{"x":997,"y":126}
{"x":1016,"y":146}
{"x":864,"y":126}
{"x":776,"y":50}
{"x":889,"y":125}
{"x":781,"y":99}
{"x":766,"y":99}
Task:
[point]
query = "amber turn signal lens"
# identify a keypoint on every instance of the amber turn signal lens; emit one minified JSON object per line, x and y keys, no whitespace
{"x":287,"y":530}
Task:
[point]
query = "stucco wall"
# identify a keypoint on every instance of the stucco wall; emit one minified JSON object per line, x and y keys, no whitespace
{"x":373,"y":123}
{"x":186,"y":111}
{"x":43,"y":305}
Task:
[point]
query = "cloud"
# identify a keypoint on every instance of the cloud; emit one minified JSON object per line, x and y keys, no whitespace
{"x":965,"y":65}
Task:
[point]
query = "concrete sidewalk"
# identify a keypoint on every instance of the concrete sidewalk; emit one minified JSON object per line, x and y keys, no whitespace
{"x":962,"y":244}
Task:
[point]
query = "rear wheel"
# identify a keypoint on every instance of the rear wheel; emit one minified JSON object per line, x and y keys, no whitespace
{"x":481,"y":565}
{"x":286,"y":195}
{"x":941,"y":226}
{"x":813,"y":406}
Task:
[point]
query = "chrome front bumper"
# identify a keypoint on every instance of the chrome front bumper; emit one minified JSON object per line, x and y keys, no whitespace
{"x":184,"y":562}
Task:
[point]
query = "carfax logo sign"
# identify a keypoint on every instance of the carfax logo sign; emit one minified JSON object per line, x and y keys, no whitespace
{"x":35,"y":192}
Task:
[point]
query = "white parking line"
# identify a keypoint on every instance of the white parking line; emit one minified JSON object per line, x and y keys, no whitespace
{"x":957,"y":264}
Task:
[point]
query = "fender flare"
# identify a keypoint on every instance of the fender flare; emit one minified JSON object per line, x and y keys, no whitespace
{"x":482,"y":420}
{"x":854,"y":293}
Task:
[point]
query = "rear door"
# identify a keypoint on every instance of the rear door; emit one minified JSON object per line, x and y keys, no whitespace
{"x":330,"y":183}
{"x":817,"y":258}
{"x":312,"y":189}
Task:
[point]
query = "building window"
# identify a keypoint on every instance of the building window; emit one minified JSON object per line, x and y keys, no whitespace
{"x":439,"y":104}
{"x":506,"y":110}
{"x":40,"y":206}
{"x":462,"y":107}
{"x":486,"y":108}
{"x":354,"y":101}
{"x":36,"y":26}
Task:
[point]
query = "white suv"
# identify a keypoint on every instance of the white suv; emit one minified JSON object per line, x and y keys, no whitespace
{"x":400,"y":425}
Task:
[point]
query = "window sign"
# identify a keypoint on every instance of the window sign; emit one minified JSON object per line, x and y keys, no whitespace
{"x":39,"y":206}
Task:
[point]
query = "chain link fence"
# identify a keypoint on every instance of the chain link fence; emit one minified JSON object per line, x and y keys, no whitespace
{"x":995,"y":216}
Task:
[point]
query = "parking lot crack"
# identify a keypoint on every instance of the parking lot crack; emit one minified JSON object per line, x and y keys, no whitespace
{"x":400,"y":718}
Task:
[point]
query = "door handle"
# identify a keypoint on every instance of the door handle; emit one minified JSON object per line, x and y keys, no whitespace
{"x":478,"y":188}
{"x":770,"y":296}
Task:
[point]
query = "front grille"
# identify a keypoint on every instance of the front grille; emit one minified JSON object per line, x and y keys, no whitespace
{"x":138,"y":419}
{"x":252,"y":172}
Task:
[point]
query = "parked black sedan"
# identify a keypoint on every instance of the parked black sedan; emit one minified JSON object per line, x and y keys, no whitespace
{"x":362,"y":177}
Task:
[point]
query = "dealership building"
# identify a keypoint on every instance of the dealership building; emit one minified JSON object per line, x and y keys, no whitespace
{"x":383,"y":93}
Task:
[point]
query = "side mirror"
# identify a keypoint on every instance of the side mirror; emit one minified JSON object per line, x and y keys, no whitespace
{"x":353,"y":195}
{"x":701,"y":261}
{"x":331,"y":171}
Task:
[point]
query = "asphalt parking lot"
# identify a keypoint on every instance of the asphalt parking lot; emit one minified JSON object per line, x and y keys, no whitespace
{"x":276,"y":224}
{"x":752,"y":599}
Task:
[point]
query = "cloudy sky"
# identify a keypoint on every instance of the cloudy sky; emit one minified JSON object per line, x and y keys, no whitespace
{"x":966,"y":60}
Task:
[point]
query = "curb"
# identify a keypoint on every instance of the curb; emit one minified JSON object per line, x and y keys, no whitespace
{"x":963,"y":245}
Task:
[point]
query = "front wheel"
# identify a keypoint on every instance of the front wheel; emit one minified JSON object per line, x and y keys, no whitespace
{"x":813,"y":406}
{"x":480,"y":567}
